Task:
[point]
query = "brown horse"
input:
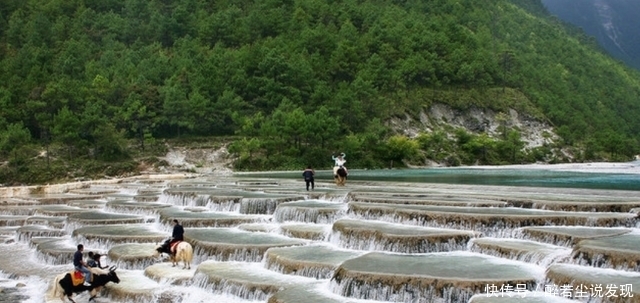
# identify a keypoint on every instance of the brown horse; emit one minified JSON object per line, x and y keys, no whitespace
{"x":340,"y":175}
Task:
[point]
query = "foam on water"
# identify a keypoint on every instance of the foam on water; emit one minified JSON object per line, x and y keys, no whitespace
{"x":29,"y":288}
{"x":34,"y":271}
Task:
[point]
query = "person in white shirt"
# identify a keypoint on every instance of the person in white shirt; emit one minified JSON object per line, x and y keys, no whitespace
{"x":339,"y":160}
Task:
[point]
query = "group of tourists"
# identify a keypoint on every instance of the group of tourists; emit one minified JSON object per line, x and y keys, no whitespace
{"x":339,"y":172}
{"x":83,"y":266}
{"x":94,"y":258}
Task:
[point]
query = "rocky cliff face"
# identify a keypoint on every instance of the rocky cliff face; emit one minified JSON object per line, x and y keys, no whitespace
{"x":477,"y":120}
{"x":614,"y":24}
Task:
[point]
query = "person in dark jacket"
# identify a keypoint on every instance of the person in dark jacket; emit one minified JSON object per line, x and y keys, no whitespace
{"x":81,"y":265}
{"x":308,"y":177}
{"x":177,"y":234}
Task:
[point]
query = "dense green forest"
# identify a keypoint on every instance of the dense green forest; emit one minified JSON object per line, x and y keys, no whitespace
{"x":94,"y":86}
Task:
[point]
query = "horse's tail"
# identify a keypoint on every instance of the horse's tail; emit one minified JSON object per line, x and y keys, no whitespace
{"x":56,"y":287}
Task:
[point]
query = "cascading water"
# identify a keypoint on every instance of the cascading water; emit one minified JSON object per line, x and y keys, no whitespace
{"x":262,"y":240}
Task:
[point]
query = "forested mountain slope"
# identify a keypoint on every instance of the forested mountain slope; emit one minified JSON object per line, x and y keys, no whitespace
{"x":294,"y":80}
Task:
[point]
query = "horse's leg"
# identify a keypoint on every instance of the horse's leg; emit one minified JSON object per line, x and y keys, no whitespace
{"x":94,"y":293}
{"x":69,"y":297}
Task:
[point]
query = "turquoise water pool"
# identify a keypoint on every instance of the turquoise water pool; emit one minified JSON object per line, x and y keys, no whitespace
{"x":520,"y":176}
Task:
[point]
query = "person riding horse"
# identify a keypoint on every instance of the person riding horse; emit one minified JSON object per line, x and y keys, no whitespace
{"x":94,"y":260}
{"x":339,"y":170}
{"x":176,"y":236}
{"x":339,"y":160}
{"x":81,"y":265}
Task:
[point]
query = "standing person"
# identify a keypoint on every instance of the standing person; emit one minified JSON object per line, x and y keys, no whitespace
{"x":177,"y":234}
{"x":81,"y":266}
{"x":308,"y":177}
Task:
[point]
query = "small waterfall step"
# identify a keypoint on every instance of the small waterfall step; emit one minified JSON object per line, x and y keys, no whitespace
{"x":55,"y":222}
{"x":129,"y":206}
{"x":133,"y":255}
{"x":9,"y":220}
{"x":27,"y":232}
{"x":314,"y":232}
{"x":59,"y":251}
{"x":134,"y":286}
{"x":265,"y":203}
{"x":568,"y":236}
{"x":599,"y":284}
{"x":215,"y":198}
{"x":64,"y":198}
{"x":166,"y":273}
{"x":314,"y":261}
{"x":146,"y":197}
{"x":95,"y":190}
{"x":534,"y":252}
{"x":485,"y":219}
{"x":229,"y":244}
{"x":524,"y":297}
{"x":445,"y":200}
{"x":619,"y":252}
{"x":99,"y":217}
{"x":9,"y":230}
{"x":63,"y":210}
{"x":384,"y":236}
{"x":316,"y":293}
{"x":310,"y":211}
{"x":199,"y":217}
{"x":120,"y":233}
{"x":435,"y":277}
{"x":249,"y":281}
{"x":87,"y":203}
{"x":595,"y":205}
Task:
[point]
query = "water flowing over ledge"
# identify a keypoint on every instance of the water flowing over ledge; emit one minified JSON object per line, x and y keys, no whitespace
{"x":269,"y":240}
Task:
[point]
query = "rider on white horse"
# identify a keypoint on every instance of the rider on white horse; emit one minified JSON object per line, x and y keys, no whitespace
{"x":339,"y":161}
{"x":177,"y":235}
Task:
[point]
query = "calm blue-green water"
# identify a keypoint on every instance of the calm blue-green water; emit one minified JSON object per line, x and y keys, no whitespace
{"x":520,"y":176}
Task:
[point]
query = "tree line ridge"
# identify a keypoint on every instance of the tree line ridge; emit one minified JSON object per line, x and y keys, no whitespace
{"x":96,"y":87}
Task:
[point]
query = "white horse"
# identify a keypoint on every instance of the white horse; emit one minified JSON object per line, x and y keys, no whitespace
{"x":184,"y":253}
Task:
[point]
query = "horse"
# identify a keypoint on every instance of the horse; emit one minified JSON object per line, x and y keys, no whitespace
{"x":63,"y":284}
{"x":340,"y":174}
{"x":184,"y":253}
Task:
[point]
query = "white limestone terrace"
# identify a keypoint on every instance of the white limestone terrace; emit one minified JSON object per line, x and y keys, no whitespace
{"x":379,"y":259}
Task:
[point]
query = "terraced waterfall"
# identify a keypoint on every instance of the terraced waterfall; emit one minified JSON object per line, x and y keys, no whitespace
{"x":268,"y":240}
